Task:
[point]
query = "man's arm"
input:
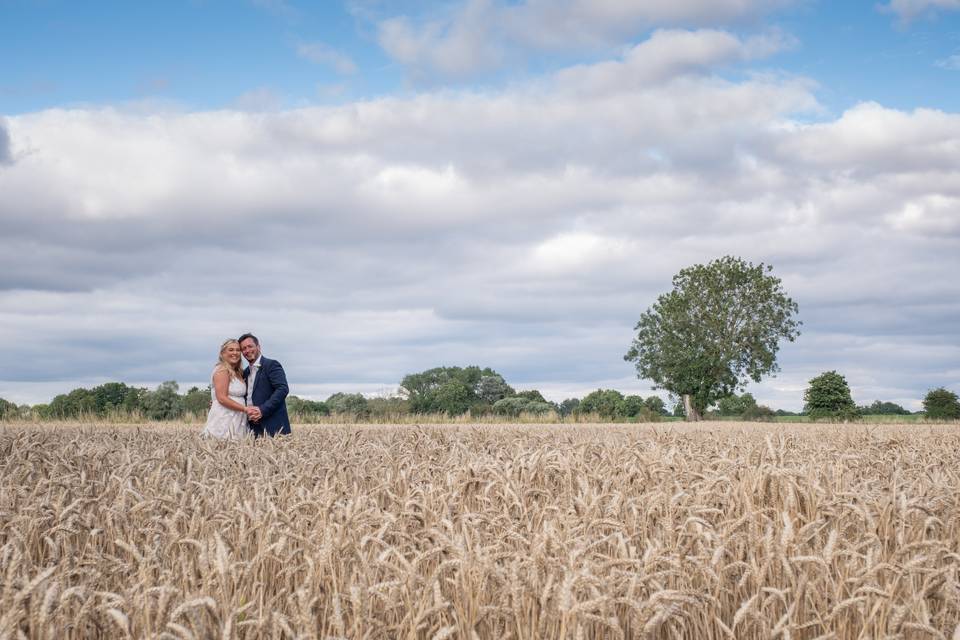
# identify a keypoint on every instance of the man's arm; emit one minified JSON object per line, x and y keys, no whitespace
{"x":278,"y":379}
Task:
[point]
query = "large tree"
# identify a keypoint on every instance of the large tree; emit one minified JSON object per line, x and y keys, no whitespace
{"x":719,"y":328}
{"x":735,"y":405}
{"x":453,"y":390}
{"x":348,"y":404}
{"x":603,"y":402}
{"x":165,"y":403}
{"x":941,"y":404}
{"x":828,"y":396}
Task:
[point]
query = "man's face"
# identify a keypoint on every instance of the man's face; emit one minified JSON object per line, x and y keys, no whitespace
{"x":251,"y":350}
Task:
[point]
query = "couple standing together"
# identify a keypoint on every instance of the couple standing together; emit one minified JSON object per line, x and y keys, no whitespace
{"x":249,"y":401}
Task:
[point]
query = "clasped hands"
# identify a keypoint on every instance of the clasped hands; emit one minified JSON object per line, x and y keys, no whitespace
{"x":253,"y":414}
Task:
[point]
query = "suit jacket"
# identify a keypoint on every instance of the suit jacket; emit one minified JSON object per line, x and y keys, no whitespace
{"x":269,"y":394}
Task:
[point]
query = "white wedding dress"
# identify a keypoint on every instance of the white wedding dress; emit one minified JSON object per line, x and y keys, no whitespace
{"x":223,"y":422}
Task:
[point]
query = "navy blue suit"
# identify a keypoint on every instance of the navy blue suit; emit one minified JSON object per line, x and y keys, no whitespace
{"x":270,"y":394}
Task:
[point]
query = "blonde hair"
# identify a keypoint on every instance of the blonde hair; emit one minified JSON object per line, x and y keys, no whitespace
{"x":234,"y":370}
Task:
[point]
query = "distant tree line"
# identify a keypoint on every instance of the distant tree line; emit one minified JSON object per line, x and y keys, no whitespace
{"x":478,"y":392}
{"x":116,"y":400}
{"x":719,"y":328}
{"x":446,"y":391}
{"x":467,"y":391}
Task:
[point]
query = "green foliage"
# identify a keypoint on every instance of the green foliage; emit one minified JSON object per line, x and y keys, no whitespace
{"x":385,"y":408}
{"x":540,"y":408}
{"x":745,"y":407}
{"x":8,"y":410}
{"x":71,"y":405}
{"x":656,"y":405}
{"x":531,"y":394}
{"x":491,"y":388}
{"x":197,"y":401}
{"x":348,"y":404}
{"x":882,"y":409}
{"x":828,"y":396}
{"x":758,"y":413}
{"x":452,"y":390}
{"x":165,"y":403}
{"x":108,"y":399}
{"x":734,"y":405}
{"x":631,"y":407}
{"x":454,"y":398}
{"x":603,"y":402}
{"x":516,"y":405}
{"x":302,"y":410}
{"x":568,"y":406}
{"x":941,"y":404}
{"x":111,"y":396}
{"x":719,"y":327}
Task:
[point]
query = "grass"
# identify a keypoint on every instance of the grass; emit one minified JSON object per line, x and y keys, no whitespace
{"x":729,"y":530}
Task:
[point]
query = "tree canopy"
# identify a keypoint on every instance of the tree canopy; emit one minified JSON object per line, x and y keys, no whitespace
{"x":828,"y":396}
{"x":941,"y":404}
{"x":718,"y":328}
{"x":352,"y":404}
{"x":603,"y":402}
{"x":734,"y":405}
{"x":879,"y":408}
{"x":7,"y":409}
{"x":450,"y":390}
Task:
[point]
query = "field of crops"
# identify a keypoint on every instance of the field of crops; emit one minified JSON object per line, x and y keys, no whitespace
{"x":722,"y":530}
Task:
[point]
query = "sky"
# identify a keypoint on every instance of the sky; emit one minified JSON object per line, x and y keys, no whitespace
{"x":379,"y":187}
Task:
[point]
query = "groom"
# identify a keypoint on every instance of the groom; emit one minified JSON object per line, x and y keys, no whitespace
{"x":266,"y":390}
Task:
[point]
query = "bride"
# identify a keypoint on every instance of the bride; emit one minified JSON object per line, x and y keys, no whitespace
{"x":227,"y":418}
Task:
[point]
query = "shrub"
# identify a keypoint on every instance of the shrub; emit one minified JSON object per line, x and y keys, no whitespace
{"x":568,"y":406}
{"x":631,"y":407}
{"x":828,"y":396}
{"x":758,"y":413}
{"x":353,"y":404}
{"x":941,"y":404}
{"x":603,"y":402}
{"x":656,"y":405}
{"x":512,"y":406}
{"x":8,"y":410}
{"x":302,"y":410}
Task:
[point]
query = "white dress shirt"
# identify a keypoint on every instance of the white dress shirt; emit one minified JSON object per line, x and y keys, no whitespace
{"x":254,"y":370}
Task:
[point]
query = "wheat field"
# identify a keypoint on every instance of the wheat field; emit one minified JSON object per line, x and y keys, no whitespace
{"x":459,"y":531}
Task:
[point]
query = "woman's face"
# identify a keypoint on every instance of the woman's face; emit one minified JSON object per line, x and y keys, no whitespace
{"x":231,"y":353}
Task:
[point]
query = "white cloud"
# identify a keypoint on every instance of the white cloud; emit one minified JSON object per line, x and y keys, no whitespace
{"x":952,"y":62}
{"x":5,"y":156}
{"x":259,"y":99}
{"x":479,"y":35}
{"x":456,"y":47}
{"x":524,"y":229}
{"x":668,"y":55}
{"x":566,"y":23}
{"x":320,"y":53}
{"x":869,"y":139}
{"x":569,"y":253}
{"x":908,"y":10}
{"x":933,"y":213}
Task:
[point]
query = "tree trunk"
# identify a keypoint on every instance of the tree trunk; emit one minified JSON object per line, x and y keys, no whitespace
{"x":692,"y":414}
